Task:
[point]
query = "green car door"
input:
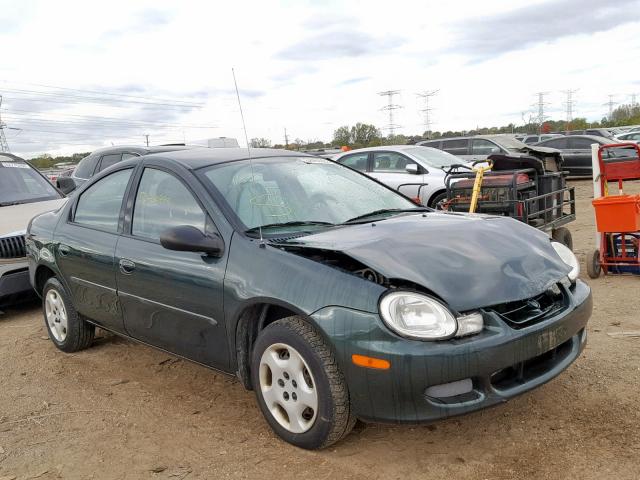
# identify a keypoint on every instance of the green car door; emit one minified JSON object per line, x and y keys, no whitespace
{"x":171,"y":299}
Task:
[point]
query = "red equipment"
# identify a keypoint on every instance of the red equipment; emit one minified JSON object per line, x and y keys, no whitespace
{"x":617,"y":216}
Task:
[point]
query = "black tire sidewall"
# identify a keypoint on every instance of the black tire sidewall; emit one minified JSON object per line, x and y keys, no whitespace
{"x":314,"y":437}
{"x":563,"y":235}
{"x":437,"y":199}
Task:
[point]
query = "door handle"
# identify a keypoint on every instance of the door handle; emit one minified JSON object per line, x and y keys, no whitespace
{"x":63,"y":250}
{"x":127,"y":266}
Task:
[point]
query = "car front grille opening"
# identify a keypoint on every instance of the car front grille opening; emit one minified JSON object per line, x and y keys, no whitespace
{"x":12,"y":247}
{"x":528,"y":370}
{"x":524,"y":313}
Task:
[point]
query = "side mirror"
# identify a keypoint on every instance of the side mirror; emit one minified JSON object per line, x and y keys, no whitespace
{"x":186,"y":238}
{"x":66,"y":184}
{"x":413,"y":169}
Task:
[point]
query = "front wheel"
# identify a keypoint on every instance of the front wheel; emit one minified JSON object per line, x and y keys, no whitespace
{"x":563,"y":235}
{"x":437,"y":200}
{"x":300,"y":389}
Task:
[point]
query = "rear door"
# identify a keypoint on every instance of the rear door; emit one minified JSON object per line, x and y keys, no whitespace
{"x":86,"y":244}
{"x":577,"y":156}
{"x":357,"y":160}
{"x":458,"y":147}
{"x":482,"y":148}
{"x":170,"y":299}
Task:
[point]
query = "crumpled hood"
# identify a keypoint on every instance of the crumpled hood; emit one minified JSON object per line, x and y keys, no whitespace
{"x":15,"y":218}
{"x":470,"y":261}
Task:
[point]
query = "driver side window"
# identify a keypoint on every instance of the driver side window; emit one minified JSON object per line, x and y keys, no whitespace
{"x":162,"y":202}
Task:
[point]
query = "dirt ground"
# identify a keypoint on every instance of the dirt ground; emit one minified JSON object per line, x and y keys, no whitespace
{"x":124,"y":411}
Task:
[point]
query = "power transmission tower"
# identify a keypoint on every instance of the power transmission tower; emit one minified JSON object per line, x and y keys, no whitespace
{"x":428,"y":120}
{"x":541,"y":104}
{"x":286,"y":138}
{"x":4,"y":146}
{"x":390,"y":107}
{"x":569,"y":104}
{"x":633,"y":100}
{"x":146,"y":136}
{"x":610,"y":104}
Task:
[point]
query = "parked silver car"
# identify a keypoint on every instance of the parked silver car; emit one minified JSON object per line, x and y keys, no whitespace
{"x":24,"y":193}
{"x":415,"y":171}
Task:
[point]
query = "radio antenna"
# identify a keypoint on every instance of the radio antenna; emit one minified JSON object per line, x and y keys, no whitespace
{"x":246,"y":139}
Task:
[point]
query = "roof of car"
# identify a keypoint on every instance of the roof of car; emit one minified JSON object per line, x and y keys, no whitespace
{"x":142,"y":149}
{"x":203,"y":157}
{"x":588,"y":137}
{"x":383,"y":147}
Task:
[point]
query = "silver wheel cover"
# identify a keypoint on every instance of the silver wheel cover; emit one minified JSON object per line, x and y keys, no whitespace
{"x":56,"y":315}
{"x":288,"y":388}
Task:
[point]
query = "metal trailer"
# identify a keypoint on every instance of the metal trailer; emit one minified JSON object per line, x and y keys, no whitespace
{"x":527,"y":188}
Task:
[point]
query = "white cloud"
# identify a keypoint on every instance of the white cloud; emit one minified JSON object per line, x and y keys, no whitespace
{"x":307,"y":67}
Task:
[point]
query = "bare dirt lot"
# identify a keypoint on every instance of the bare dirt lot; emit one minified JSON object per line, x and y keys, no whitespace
{"x":124,"y":411}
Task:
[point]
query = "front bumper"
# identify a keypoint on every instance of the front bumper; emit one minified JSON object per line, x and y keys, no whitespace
{"x":501,"y":362}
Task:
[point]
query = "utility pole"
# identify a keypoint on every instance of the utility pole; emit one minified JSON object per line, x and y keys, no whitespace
{"x":610,"y":104}
{"x":146,"y":136}
{"x":4,"y":146}
{"x":569,"y":104}
{"x":390,"y":107}
{"x":428,"y":120}
{"x":541,"y":104}
{"x":286,"y":139}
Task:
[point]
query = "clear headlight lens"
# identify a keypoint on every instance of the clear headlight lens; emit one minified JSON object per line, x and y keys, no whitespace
{"x":419,"y":316}
{"x":569,"y":258}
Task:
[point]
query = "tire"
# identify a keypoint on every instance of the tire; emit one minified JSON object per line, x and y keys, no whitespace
{"x":67,"y":330}
{"x":593,"y":264}
{"x":291,"y":349}
{"x":563,"y":235}
{"x":436,"y":199}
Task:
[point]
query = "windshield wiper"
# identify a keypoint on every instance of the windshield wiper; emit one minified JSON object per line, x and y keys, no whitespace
{"x":7,"y":204}
{"x":387,"y":210}
{"x":295,"y":223}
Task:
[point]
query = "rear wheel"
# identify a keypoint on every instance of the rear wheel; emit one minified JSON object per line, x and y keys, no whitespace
{"x":593,"y":264}
{"x":563,"y":235}
{"x":300,"y":389}
{"x":67,"y":330}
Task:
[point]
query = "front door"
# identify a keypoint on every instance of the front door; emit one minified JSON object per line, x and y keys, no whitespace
{"x":86,"y":246}
{"x":170,"y":299}
{"x":390,"y":168}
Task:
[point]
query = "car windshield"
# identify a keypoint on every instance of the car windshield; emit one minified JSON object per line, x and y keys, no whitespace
{"x":433,"y":157}
{"x":20,"y":183}
{"x":301,"y":192}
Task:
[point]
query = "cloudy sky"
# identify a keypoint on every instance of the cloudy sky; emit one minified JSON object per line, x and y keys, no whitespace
{"x":78,"y":75}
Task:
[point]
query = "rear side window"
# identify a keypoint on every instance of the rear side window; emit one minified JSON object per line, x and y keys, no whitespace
{"x":560,"y":143}
{"x":530,"y":140}
{"x":432,"y":144}
{"x":127,"y":155}
{"x":86,"y":167}
{"x":99,"y":206}
{"x":580,"y":143}
{"x":390,"y":162}
{"x":107,"y":160}
{"x":357,"y":161}
{"x":480,"y":146}
{"x":163,"y":202}
{"x":456,"y":147}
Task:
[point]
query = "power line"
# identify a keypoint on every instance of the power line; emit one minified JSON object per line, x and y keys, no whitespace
{"x":610,"y":104}
{"x":569,"y":104}
{"x":541,"y":104}
{"x":4,"y":146}
{"x":428,"y":120}
{"x":97,"y":99}
{"x":390,"y":107}
{"x":187,"y":103}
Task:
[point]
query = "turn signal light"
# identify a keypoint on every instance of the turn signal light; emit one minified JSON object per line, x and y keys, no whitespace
{"x":370,"y":362}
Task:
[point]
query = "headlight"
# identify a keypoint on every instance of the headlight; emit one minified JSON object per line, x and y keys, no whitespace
{"x":569,"y":258}
{"x":418,"y":316}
